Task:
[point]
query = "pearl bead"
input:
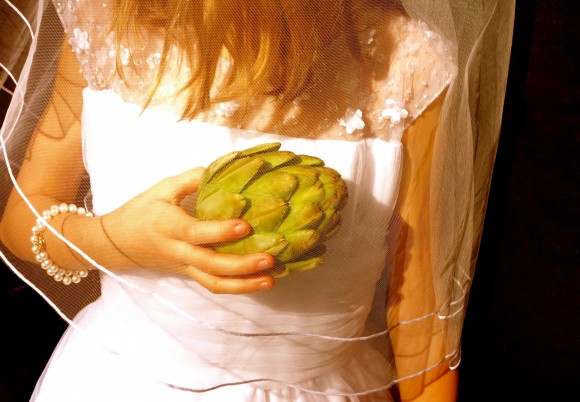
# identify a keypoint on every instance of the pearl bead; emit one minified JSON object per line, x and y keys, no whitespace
{"x":38,"y":245}
{"x":46,"y":264}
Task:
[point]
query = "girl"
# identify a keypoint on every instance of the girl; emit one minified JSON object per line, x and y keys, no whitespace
{"x":164,"y":87}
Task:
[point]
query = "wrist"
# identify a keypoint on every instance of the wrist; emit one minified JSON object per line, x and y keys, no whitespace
{"x":90,"y":235}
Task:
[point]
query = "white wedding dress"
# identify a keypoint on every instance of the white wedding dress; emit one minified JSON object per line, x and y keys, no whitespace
{"x":126,"y":153}
{"x":160,"y":338}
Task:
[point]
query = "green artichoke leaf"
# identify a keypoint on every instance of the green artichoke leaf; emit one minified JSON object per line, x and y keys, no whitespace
{"x":298,"y":266}
{"x":304,"y":265}
{"x":301,"y":216}
{"x":221,"y":204}
{"x":221,"y":162}
{"x":265,"y":213}
{"x":330,"y":221}
{"x":237,"y":174}
{"x":332,"y":231}
{"x":299,"y":242}
{"x":277,"y":183}
{"x":334,"y":187}
{"x":313,"y":194}
{"x":307,"y":176}
{"x":310,"y":160}
{"x":278,"y":158}
{"x":216,"y":165}
{"x":272,"y":243}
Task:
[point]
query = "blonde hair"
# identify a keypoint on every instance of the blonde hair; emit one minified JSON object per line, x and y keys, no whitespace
{"x":273,"y":44}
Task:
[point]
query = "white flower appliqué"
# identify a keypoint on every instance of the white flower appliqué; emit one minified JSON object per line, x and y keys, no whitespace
{"x":352,"y":120}
{"x":227,"y":109}
{"x":81,"y":39}
{"x":394,"y":111}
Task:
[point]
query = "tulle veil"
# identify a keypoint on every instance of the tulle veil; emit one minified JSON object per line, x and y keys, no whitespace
{"x":479,"y":33}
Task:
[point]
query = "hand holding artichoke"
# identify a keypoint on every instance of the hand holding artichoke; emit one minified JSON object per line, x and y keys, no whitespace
{"x":292,"y":202}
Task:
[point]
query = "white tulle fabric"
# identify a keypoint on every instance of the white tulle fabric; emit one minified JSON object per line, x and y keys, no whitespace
{"x":150,"y":337}
{"x":129,"y":151}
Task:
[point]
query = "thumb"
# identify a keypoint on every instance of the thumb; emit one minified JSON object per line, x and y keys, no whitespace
{"x":175,"y":188}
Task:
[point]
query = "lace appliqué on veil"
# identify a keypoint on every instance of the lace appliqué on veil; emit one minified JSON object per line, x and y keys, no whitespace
{"x":421,"y":67}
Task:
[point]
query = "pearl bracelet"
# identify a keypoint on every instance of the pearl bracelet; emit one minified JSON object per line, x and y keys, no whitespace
{"x":66,"y":276}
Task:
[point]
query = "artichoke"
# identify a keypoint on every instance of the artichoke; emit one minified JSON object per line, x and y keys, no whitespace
{"x":292,"y":203}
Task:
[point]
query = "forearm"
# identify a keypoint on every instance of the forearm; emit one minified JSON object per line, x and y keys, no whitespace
{"x":441,"y":389}
{"x":84,"y":232}
{"x":421,"y":343}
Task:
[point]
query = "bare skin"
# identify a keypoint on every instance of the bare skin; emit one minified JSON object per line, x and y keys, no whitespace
{"x":413,"y":292}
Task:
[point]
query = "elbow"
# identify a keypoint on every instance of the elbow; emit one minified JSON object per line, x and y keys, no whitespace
{"x":13,"y":238}
{"x":5,"y":234}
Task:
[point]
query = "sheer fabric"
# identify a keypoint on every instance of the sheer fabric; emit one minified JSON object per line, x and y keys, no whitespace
{"x":388,"y":304}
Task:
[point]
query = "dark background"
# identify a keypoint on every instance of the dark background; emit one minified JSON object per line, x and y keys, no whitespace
{"x":521,"y":333}
{"x":521,"y":337}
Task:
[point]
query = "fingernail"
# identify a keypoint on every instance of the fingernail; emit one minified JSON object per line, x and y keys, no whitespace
{"x":264,"y":263}
{"x":241,"y":229}
{"x":265,"y":285}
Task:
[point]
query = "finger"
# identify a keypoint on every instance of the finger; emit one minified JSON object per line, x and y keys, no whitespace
{"x":175,"y":188}
{"x":225,"y":285}
{"x":195,"y":231}
{"x":221,"y":264}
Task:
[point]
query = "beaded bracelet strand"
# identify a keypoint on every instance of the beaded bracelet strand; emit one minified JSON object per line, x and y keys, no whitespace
{"x":66,"y":276}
